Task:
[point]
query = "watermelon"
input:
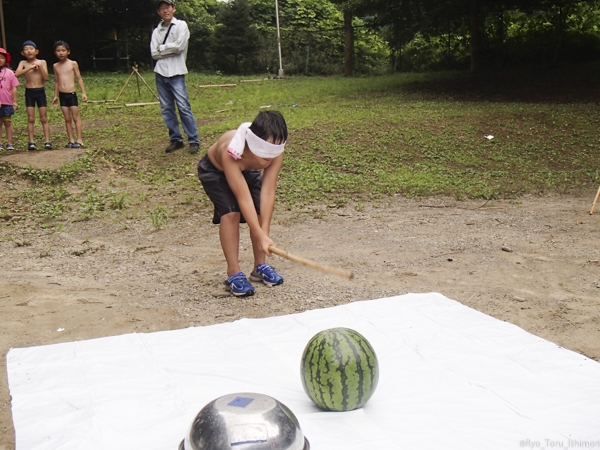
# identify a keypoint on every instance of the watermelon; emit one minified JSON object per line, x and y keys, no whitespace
{"x":339,"y":369}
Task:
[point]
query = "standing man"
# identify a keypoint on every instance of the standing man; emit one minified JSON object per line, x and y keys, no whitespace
{"x":169,"y":46}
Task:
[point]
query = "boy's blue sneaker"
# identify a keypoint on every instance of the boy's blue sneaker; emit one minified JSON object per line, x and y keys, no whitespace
{"x":267,"y":275}
{"x":239,"y":285}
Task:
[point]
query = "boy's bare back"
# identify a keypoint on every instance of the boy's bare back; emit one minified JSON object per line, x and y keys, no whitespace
{"x":35,"y":72}
{"x":65,"y":73}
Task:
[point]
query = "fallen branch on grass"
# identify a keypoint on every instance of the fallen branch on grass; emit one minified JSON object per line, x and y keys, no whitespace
{"x":216,"y":85}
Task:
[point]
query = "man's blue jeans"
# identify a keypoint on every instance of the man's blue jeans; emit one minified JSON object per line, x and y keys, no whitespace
{"x":173,"y":91}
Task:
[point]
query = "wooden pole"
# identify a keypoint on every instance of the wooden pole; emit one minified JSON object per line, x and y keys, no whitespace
{"x":595,"y":201}
{"x":137,"y":80}
{"x":124,"y":86}
{"x":142,"y":78}
{"x":216,"y":85}
{"x":312,"y":264}
{"x":141,"y":104}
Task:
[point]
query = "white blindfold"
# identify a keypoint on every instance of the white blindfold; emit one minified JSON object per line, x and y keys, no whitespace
{"x":258,"y":146}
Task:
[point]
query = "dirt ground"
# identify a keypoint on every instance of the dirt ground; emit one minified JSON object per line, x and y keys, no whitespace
{"x":533,"y":262}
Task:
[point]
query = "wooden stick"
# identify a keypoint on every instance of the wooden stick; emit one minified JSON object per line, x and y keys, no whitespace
{"x":124,"y":86}
{"x":312,"y":264}
{"x":137,"y":79}
{"x":595,"y":200}
{"x":144,"y":81}
{"x":142,"y":104}
{"x":216,"y":85}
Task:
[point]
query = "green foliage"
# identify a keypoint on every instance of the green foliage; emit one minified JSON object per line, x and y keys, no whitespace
{"x":524,"y":32}
{"x":567,"y":32}
{"x":201,"y":20}
{"x":118,"y":200}
{"x":424,"y":53}
{"x":66,"y":172}
{"x":94,"y":202}
{"x":371,"y":52}
{"x":47,"y":202}
{"x":159,"y":217}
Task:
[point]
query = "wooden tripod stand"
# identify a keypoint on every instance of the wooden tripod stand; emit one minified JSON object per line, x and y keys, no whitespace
{"x":134,"y":71}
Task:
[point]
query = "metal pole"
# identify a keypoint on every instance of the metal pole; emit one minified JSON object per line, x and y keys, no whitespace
{"x":2,"y":21}
{"x":278,"y":38}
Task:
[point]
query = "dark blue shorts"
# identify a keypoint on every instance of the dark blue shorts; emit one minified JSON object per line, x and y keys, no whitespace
{"x":68,"y":99}
{"x":35,"y":96}
{"x":7,"y":110}
{"x":216,"y":187}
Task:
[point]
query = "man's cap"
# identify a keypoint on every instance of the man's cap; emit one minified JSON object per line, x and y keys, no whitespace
{"x":4,"y":52}
{"x":28,"y":42}
{"x":168,"y":2}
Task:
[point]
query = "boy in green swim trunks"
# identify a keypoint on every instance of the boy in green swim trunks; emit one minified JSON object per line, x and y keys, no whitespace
{"x":66,"y":71}
{"x":36,"y":75}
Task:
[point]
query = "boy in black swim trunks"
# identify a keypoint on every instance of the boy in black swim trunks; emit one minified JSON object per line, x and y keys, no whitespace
{"x":36,"y":75}
{"x":66,"y":71}
{"x":239,"y":175}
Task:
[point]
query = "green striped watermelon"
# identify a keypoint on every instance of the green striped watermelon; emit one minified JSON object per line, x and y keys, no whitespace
{"x":339,"y":369}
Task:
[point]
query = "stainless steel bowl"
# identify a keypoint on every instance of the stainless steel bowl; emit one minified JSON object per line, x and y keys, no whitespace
{"x":245,"y":421}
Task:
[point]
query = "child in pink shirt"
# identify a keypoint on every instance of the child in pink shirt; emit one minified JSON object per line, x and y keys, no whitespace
{"x":8,"y":98}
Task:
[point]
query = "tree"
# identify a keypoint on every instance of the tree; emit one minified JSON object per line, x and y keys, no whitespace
{"x":405,"y":18}
{"x":200,"y":16}
{"x":235,"y":40}
{"x":349,"y":8}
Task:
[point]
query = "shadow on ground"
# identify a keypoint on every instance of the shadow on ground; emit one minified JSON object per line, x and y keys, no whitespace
{"x":579,"y":84}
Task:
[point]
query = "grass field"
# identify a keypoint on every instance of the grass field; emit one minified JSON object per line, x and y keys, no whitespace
{"x":352,"y":140}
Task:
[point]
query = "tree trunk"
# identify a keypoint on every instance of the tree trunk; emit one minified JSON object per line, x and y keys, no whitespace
{"x":348,"y":44}
{"x":475,"y":35}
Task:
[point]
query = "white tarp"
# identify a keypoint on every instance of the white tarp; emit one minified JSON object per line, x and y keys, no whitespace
{"x":450,"y":378}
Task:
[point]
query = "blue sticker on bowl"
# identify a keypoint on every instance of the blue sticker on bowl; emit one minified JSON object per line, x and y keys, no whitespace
{"x":257,"y":441}
{"x":241,"y":402}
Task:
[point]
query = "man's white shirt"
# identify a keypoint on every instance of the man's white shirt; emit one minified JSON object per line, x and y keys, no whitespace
{"x":171,"y":56}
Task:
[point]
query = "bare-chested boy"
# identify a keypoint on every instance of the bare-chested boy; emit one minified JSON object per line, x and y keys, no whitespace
{"x":36,"y":75}
{"x":66,"y":71}
{"x":239,"y":175}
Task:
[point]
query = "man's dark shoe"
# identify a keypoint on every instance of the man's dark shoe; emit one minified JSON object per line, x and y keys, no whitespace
{"x":174,"y":145}
{"x":194,"y":147}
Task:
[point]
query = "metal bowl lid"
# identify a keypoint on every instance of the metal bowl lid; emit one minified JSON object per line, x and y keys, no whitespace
{"x":245,"y":421}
